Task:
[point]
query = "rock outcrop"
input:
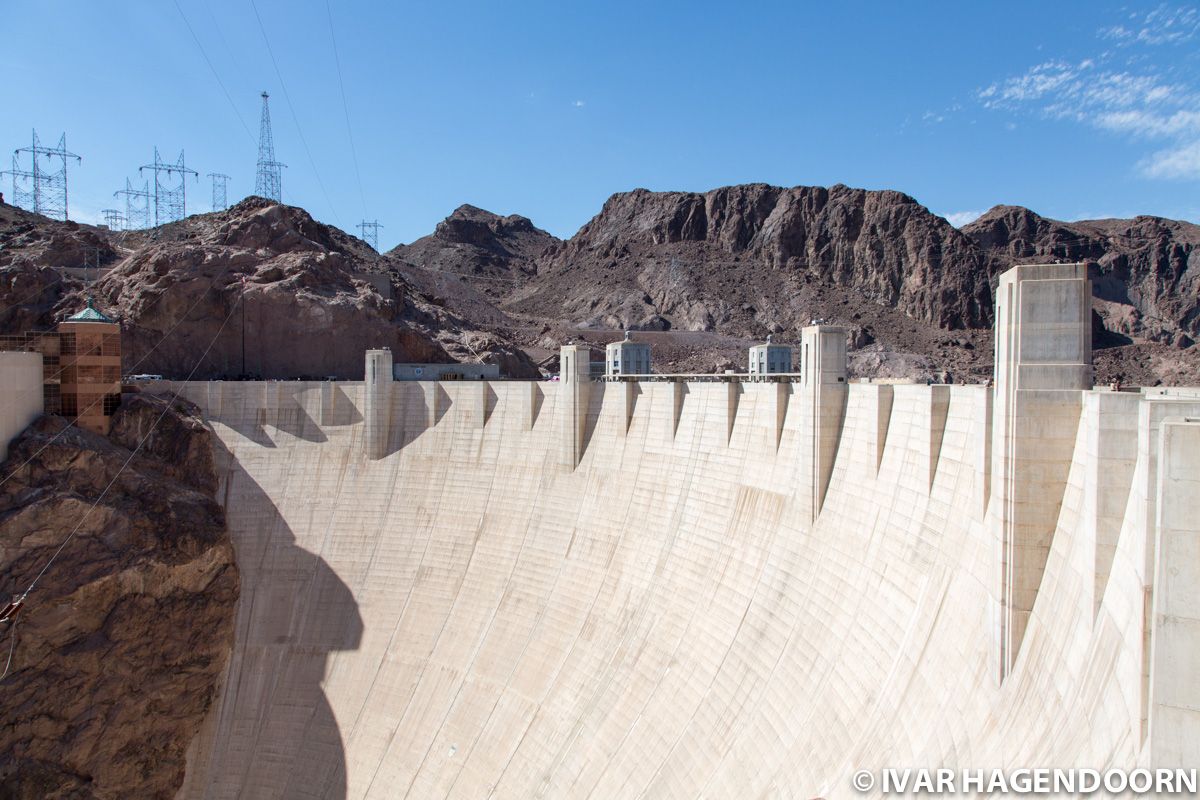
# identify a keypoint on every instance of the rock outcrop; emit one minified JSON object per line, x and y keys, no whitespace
{"x":259,"y":289}
{"x":119,"y":649}
{"x":1146,"y":279}
{"x":735,"y":259}
{"x":738,"y":262}
{"x":475,"y":242}
{"x":33,"y":250}
{"x":266,"y":277}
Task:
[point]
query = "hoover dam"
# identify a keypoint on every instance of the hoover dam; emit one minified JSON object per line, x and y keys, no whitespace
{"x":716,"y":588}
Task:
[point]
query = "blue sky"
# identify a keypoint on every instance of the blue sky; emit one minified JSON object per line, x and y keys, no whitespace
{"x":545,"y":109}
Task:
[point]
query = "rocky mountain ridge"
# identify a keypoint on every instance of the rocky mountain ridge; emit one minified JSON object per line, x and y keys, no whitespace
{"x":260,"y":289}
{"x":1146,"y":279}
{"x":478,"y":243}
{"x":745,"y":261}
{"x":734,"y":263}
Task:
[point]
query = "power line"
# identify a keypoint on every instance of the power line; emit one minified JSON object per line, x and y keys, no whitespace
{"x":213,"y":69}
{"x":146,"y":438}
{"x":286,"y":96}
{"x":182,"y":318}
{"x":346,"y":111}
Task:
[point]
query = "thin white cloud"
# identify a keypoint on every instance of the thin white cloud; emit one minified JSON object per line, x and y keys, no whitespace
{"x":1133,"y":99}
{"x":579,"y":104}
{"x":1150,"y":124}
{"x":1164,"y":25}
{"x":1062,"y":89}
{"x":1175,"y":163}
{"x":960,"y":218}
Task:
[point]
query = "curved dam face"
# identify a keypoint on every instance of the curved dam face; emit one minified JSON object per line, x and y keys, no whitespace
{"x":660,"y":589}
{"x":469,"y":617}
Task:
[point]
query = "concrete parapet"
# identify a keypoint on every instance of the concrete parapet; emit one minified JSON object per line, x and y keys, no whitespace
{"x":733,"y":393}
{"x":574,"y":384}
{"x":1110,"y":425}
{"x":982,"y":446}
{"x":377,"y":403}
{"x":1043,"y":362}
{"x":679,"y":391}
{"x":823,"y":392}
{"x":215,"y":392}
{"x":329,"y":394}
{"x":629,"y":394}
{"x":1174,"y":724}
{"x":533,"y":405}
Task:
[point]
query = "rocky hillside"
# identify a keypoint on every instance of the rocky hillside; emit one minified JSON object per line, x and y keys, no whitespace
{"x":119,"y":649}
{"x":1147,"y":276}
{"x":31,"y":247}
{"x":743,"y":261}
{"x":733,"y":264}
{"x":737,"y":260}
{"x":261,"y":289}
{"x":478,"y":243}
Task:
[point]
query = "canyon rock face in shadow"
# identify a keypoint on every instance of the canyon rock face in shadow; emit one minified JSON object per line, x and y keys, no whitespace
{"x":120,"y":647}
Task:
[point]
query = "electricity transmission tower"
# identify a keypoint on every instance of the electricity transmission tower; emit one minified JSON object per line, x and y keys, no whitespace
{"x":137,"y":205}
{"x":114,"y":219}
{"x":267,"y":181}
{"x":370,"y":233}
{"x":220,"y":185}
{"x":39,"y":189}
{"x":170,"y":200}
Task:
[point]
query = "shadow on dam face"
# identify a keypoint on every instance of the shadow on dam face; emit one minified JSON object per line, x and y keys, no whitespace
{"x":277,"y":732}
{"x":473,"y":615}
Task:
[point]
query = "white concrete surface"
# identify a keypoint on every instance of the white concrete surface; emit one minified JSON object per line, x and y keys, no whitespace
{"x":671,"y":590}
{"x":470,"y":617}
{"x":21,"y":399}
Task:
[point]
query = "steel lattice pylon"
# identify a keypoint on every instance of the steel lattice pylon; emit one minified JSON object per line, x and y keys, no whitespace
{"x":268,"y":179}
{"x":38,"y":189}
{"x":220,"y":191}
{"x":114,"y":219}
{"x":170,"y":200}
{"x":137,"y":205}
{"x":370,"y":233}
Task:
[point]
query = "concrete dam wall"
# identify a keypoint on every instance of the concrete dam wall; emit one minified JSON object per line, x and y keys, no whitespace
{"x":468,"y":617}
{"x":670,"y":589}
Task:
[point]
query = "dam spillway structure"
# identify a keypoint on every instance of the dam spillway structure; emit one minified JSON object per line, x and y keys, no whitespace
{"x":707,"y":588}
